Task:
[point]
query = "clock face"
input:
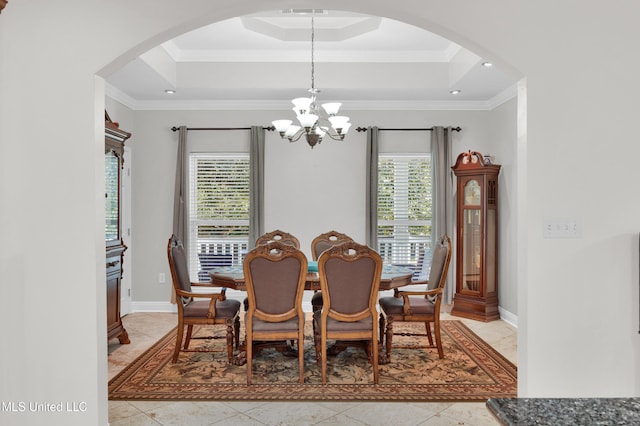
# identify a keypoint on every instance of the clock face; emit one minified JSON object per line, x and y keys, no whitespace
{"x":472,"y":193}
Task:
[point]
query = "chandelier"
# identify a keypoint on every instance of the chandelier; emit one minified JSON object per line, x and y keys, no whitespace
{"x":314,"y":125}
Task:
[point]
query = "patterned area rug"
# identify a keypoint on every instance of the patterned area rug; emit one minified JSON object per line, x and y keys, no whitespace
{"x":470,"y":371}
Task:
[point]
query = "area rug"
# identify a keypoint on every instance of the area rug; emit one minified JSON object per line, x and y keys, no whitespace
{"x":471,"y":371}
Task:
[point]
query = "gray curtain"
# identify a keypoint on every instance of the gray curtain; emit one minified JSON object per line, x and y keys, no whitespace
{"x":256,"y":187}
{"x":180,"y":194}
{"x":179,"y":202}
{"x":443,"y":215}
{"x":372,"y":187}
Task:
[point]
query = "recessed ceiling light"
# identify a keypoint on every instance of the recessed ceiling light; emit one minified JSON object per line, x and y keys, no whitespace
{"x":455,"y":92}
{"x":169,"y":91}
{"x":487,"y":64}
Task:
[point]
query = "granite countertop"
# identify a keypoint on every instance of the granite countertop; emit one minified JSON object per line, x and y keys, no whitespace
{"x":566,"y":411}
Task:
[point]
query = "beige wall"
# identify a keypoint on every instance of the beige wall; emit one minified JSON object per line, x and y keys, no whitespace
{"x":307,"y":191}
{"x":577,"y":299}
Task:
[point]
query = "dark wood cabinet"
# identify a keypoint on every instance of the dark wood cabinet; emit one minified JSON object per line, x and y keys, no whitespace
{"x":476,"y":294}
{"x":113,"y":162}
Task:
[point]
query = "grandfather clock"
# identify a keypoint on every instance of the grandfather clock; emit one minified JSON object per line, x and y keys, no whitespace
{"x":476,"y":237}
{"x":114,"y":139}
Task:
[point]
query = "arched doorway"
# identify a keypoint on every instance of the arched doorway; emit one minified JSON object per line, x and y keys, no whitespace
{"x":520,"y":157}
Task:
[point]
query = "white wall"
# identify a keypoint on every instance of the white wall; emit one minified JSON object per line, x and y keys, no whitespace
{"x":502,"y":144}
{"x":577,"y":299}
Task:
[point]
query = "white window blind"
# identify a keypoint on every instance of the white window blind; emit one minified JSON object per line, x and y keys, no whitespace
{"x":218,"y":211}
{"x":404,"y":208}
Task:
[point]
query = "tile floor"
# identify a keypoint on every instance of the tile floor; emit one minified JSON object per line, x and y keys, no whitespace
{"x":146,"y":328}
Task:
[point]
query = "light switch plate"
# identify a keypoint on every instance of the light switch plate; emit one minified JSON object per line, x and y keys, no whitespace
{"x":561,"y":227}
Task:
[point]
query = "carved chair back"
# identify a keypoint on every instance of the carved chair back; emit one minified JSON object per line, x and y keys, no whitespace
{"x":327,"y":240}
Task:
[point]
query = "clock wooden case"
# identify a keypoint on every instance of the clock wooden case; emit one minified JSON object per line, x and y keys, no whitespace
{"x":114,"y":139}
{"x":476,"y":294}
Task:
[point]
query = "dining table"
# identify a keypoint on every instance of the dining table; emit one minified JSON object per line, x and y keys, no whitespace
{"x":393,"y":276}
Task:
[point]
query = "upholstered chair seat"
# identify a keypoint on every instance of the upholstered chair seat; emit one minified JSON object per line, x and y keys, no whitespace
{"x":395,"y":306}
{"x":284,"y":326}
{"x":200,"y":308}
{"x":335,"y":325}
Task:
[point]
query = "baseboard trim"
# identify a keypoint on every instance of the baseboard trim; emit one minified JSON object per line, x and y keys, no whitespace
{"x":153,"y":307}
{"x":508,"y":317}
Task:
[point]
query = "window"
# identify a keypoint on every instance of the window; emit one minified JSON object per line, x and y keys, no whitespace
{"x":218,"y":211}
{"x":404,"y":207}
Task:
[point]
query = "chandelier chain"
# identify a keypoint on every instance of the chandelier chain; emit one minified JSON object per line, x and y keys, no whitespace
{"x":313,"y":82}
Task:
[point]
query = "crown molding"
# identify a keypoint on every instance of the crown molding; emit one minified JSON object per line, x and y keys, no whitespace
{"x":302,"y":55}
{"x":118,"y":95}
{"x":502,"y":97}
{"x":278,"y":105}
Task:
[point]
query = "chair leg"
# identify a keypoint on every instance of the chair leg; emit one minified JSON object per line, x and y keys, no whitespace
{"x":316,"y":343}
{"x":436,"y":325}
{"x":176,"y":351}
{"x":230,"y":341}
{"x":389,"y":331}
{"x":381,"y":327}
{"x":188,"y":338}
{"x":323,"y":355}
{"x":249,"y":342}
{"x":427,"y":326}
{"x":323,"y":362}
{"x":237,"y":332}
{"x":374,"y":344}
{"x":301,"y":354}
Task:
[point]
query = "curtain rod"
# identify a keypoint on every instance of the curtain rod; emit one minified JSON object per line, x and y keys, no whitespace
{"x":428,"y":129}
{"x":272,"y":128}
{"x":175,"y":129}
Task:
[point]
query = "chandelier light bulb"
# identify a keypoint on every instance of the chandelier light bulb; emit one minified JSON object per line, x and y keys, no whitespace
{"x":338,"y":121}
{"x":332,"y":108}
{"x":307,"y":120}
{"x":282,"y":125}
{"x":302,"y":105}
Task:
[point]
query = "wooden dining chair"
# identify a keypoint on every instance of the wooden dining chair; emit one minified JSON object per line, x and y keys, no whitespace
{"x":327,"y":240}
{"x":275,"y":275}
{"x":278,"y":235}
{"x":319,"y":244}
{"x":349,"y":280}
{"x":193,"y":310}
{"x":419,"y":306}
